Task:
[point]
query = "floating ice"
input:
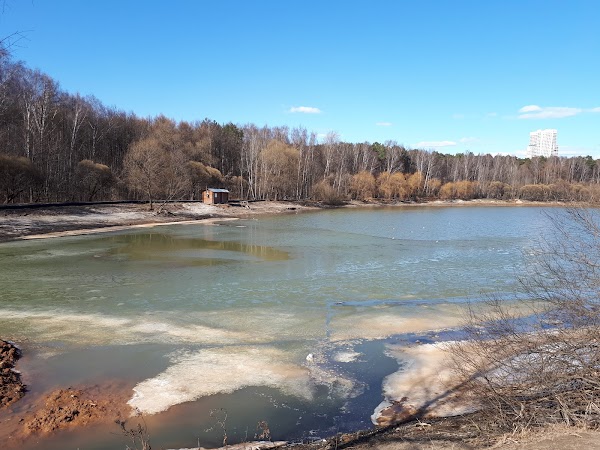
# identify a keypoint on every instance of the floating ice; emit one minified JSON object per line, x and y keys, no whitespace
{"x":346,"y":357}
{"x":220,"y":370}
{"x":425,"y":381}
{"x":102,"y":329}
{"x":379,"y":323}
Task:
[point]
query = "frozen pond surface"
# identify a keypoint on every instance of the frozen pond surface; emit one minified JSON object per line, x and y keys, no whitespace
{"x":200,"y":317}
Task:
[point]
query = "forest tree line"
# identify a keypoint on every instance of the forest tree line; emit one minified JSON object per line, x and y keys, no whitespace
{"x":57,"y":146}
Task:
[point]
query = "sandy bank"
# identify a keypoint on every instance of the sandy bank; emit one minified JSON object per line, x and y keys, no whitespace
{"x":77,"y":220}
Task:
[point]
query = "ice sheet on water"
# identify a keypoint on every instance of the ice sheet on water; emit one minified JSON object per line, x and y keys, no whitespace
{"x":221,"y":370}
{"x":346,"y":356}
{"x":227,"y":369}
{"x":389,"y":320}
{"x":103,"y":329}
{"x":283,"y":322}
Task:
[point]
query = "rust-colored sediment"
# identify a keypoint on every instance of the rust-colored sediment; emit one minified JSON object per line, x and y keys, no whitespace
{"x":69,"y":408}
{"x":11,"y":386}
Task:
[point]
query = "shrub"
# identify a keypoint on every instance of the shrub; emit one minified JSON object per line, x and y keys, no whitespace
{"x":362,"y":185}
{"x":325,"y":193}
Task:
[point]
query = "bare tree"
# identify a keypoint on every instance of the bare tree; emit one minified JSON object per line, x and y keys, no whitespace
{"x":157,"y":164}
{"x":279,"y":170}
{"x":305,"y":144}
{"x":145,"y":168}
{"x":254,"y":141}
{"x":329,"y":151}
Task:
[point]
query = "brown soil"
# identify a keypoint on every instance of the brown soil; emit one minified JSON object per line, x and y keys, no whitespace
{"x":66,"y":408}
{"x":11,"y":387}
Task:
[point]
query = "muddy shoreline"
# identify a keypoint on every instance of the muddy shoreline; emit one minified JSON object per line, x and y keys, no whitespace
{"x":35,"y":223}
{"x":57,"y":221}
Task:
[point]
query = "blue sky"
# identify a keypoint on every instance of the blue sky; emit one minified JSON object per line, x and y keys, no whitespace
{"x":453,"y":75}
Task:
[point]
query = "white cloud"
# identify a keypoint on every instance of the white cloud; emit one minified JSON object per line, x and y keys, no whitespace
{"x":305,"y":110}
{"x":384,"y":124}
{"x":530,"y":108}
{"x":430,"y":144}
{"x":547,"y":112}
{"x":467,"y":140}
{"x":458,"y":116}
{"x":491,"y":114}
{"x":595,"y":110}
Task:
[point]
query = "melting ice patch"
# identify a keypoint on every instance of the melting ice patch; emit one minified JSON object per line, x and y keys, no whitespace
{"x":100,"y":329}
{"x":222,"y":370}
{"x":425,"y":381}
{"x":169,"y":332}
{"x":283,"y":323}
{"x":323,"y":373}
{"x":382,"y":322}
{"x":346,"y":356}
{"x":227,"y":369}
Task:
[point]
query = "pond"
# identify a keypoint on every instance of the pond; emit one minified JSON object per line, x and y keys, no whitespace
{"x":281,"y":319}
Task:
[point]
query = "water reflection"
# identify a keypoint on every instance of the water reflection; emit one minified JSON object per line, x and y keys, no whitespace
{"x":161,"y":248}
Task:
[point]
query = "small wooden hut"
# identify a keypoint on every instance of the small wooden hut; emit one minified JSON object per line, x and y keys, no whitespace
{"x":214,"y":196}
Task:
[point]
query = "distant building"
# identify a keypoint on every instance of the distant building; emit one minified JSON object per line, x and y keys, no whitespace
{"x":214,"y":196}
{"x":542,"y":143}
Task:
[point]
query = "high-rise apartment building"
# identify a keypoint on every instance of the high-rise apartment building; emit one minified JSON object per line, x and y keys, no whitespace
{"x":542,"y":143}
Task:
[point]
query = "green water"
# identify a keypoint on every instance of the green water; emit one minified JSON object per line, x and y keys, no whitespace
{"x":226,"y":314}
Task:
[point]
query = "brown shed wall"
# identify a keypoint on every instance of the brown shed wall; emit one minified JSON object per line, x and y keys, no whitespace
{"x":213,"y":198}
